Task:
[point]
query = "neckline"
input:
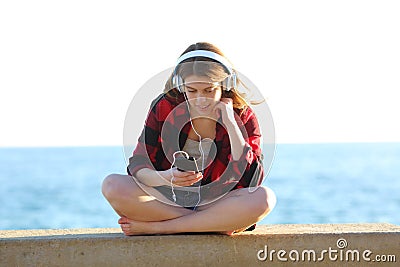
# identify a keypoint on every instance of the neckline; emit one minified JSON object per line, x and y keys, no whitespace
{"x":203,"y":140}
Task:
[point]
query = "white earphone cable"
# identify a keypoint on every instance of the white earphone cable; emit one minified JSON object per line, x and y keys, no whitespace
{"x":187,"y":156}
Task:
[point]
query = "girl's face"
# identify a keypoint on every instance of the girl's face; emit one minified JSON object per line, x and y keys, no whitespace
{"x":202,"y":94}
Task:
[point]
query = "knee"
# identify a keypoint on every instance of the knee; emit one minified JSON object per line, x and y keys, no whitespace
{"x":265,"y":201}
{"x":112,"y":186}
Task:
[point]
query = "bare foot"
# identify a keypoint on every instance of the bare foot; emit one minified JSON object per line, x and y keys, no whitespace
{"x":228,"y":233}
{"x":131,"y":227}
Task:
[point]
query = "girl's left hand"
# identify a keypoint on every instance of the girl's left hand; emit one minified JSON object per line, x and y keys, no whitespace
{"x":224,"y":109}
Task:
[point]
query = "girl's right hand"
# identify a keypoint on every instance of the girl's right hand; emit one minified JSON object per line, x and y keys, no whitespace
{"x":181,"y":178}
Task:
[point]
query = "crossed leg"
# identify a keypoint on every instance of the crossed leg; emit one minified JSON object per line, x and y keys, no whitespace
{"x":142,"y":213}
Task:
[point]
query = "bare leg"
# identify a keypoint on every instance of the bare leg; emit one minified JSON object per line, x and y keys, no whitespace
{"x":238,"y":210}
{"x":130,"y":201}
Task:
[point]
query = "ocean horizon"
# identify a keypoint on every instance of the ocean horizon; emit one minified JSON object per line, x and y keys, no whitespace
{"x":60,"y":187}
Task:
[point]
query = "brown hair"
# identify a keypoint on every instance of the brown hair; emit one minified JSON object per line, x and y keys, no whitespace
{"x":201,"y":66}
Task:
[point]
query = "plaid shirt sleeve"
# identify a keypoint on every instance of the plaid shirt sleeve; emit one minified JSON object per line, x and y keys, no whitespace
{"x":148,"y":152}
{"x":247,"y":171}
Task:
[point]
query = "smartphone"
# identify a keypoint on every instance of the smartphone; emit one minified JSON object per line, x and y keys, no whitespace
{"x":186,"y":164}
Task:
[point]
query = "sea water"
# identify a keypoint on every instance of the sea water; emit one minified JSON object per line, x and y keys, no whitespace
{"x":314,"y":183}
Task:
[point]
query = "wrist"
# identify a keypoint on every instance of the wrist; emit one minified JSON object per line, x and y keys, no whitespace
{"x":165,"y":176}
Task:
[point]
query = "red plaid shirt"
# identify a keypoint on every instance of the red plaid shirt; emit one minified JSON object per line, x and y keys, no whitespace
{"x":166,"y":130}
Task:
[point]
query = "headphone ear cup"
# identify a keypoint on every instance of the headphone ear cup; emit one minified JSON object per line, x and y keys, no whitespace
{"x":180,"y":83}
{"x":229,"y":83}
{"x":233,"y":80}
{"x":224,"y":84}
{"x":177,"y":83}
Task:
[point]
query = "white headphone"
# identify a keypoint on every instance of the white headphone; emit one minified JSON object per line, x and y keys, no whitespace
{"x":228,"y":84}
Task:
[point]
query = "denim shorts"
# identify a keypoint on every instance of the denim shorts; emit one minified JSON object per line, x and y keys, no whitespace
{"x":186,"y":199}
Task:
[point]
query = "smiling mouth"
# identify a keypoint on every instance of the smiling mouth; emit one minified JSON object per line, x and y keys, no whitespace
{"x":203,"y":107}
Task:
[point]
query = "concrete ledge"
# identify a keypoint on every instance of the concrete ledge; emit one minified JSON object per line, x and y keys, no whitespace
{"x":273,"y":245}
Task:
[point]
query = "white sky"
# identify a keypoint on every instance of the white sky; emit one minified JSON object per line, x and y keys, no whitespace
{"x":69,"y":69}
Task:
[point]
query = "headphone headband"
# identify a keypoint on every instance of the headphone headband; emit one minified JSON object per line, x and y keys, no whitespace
{"x":207,"y":54}
{"x":228,"y":84}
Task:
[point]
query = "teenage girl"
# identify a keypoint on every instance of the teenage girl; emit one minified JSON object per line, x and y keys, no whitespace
{"x":200,"y":115}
